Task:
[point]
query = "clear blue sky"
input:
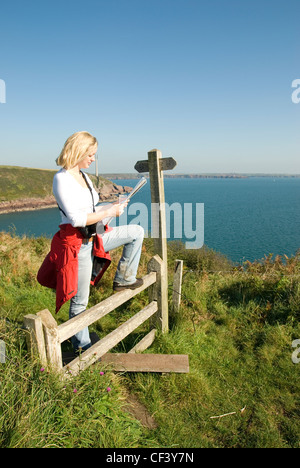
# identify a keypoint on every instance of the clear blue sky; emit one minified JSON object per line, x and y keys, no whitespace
{"x":205,"y":81}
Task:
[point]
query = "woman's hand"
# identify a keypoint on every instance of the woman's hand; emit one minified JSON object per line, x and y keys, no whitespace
{"x":117,"y":209}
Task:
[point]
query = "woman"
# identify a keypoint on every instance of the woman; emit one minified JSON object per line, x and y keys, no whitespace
{"x":76,"y":199}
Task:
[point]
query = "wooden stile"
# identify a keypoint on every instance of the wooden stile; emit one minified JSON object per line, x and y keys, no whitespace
{"x":74,"y":325}
{"x":100,"y":348}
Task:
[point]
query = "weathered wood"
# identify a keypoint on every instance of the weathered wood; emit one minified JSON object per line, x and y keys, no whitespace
{"x":165,"y":164}
{"x":74,"y":325}
{"x":178,"y":363}
{"x":144,"y":343}
{"x":95,"y":352}
{"x":35,"y":336}
{"x":159,"y":228}
{"x":53,"y":347}
{"x":177,"y":285}
{"x":159,"y":292}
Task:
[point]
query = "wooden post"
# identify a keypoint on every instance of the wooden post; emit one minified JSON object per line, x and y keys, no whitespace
{"x":177,"y":284}
{"x":144,"y":343}
{"x":159,"y":292}
{"x":159,"y":227}
{"x":53,"y":347}
{"x":35,"y":336}
{"x":155,"y":165}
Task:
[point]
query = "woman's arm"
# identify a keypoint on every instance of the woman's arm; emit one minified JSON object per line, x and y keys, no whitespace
{"x":69,"y":197}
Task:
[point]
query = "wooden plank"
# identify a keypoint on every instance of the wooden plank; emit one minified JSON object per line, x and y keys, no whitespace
{"x":95,"y":352}
{"x":74,"y":325}
{"x":144,"y":343}
{"x":166,"y":164}
{"x":177,"y":286}
{"x":53,"y":347}
{"x":178,"y":363}
{"x":35,"y":336}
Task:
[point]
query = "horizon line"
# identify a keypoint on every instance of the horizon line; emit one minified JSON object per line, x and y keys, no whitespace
{"x":171,"y":173}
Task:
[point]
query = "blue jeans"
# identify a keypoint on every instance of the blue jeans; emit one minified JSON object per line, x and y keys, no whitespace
{"x":131,"y":237}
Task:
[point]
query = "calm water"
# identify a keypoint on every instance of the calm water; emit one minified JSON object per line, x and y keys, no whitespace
{"x":243,"y":218}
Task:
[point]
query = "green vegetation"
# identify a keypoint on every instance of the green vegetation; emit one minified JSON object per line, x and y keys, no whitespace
{"x":21,"y":182}
{"x":237,"y":325}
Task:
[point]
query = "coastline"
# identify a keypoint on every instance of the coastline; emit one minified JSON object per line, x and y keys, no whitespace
{"x":108,"y":193}
{"x":27,"y":204}
{"x":124,"y":176}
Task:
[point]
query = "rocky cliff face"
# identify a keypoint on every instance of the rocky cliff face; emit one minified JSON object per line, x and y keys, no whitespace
{"x":108,"y":192}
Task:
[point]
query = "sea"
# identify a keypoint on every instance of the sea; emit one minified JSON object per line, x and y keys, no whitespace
{"x":242,"y":218}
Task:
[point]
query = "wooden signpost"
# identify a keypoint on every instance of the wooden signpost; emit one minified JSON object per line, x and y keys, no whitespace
{"x":155,"y":165}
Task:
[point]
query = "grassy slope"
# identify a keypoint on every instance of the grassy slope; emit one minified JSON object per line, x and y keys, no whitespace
{"x":21,"y":182}
{"x":236,"y":326}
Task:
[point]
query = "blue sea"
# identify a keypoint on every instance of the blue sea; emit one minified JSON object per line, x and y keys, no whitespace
{"x":245,"y":218}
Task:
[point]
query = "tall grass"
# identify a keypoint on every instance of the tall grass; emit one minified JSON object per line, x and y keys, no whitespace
{"x":238,"y":337}
{"x":236,"y":324}
{"x":38,"y":410}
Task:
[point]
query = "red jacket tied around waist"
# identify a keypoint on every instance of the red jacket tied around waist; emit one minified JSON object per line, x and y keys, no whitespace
{"x":59,"y":270}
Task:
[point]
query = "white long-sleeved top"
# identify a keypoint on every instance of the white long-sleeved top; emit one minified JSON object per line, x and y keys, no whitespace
{"x":75,"y":200}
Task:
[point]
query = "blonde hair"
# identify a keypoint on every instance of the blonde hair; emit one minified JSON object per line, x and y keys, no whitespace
{"x":77,"y":147}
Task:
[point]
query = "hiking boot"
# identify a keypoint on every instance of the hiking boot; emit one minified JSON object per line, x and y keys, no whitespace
{"x":120,"y":287}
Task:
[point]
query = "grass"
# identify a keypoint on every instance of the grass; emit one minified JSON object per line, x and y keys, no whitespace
{"x":237,"y":325}
{"x":23,"y":182}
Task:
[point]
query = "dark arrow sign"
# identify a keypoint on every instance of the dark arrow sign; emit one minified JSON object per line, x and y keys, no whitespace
{"x":166,"y":164}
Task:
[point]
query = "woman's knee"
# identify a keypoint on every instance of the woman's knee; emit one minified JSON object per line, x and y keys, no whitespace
{"x":139,"y":231}
{"x":135,"y":231}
